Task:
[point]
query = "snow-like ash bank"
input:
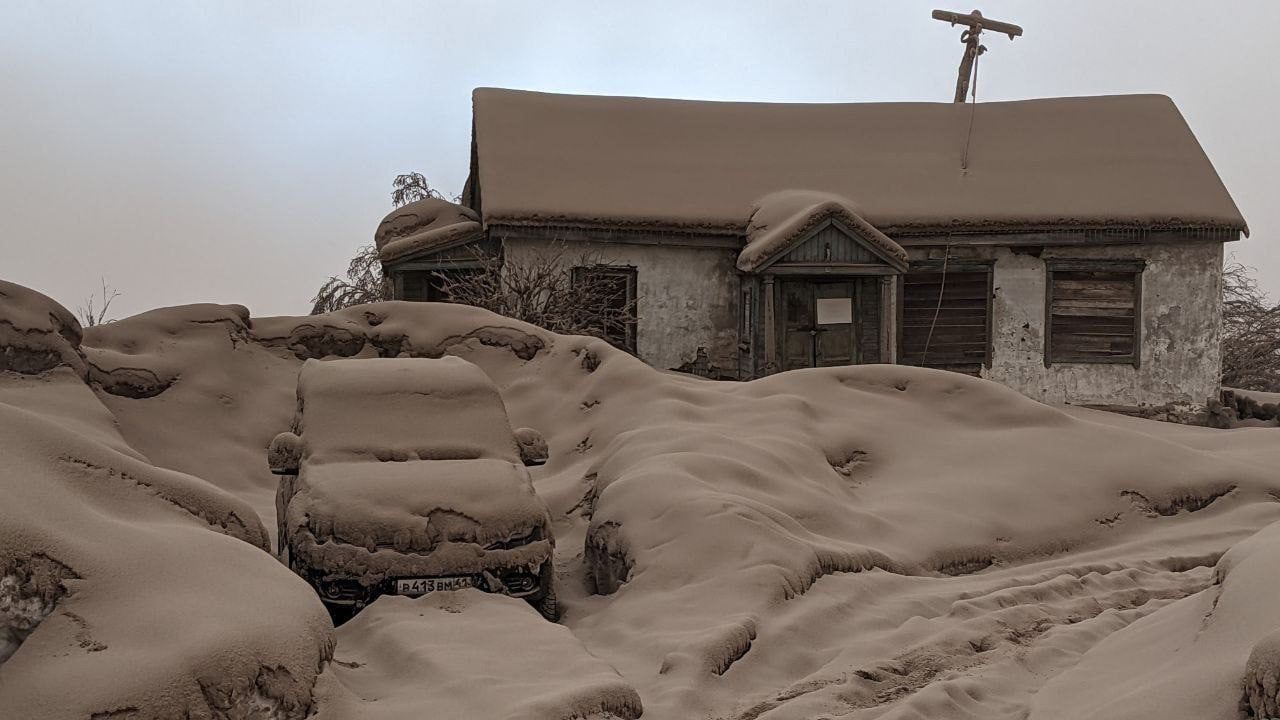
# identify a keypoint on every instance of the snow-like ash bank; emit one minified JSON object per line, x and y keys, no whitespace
{"x":127,"y":589}
{"x":860,"y":542}
{"x":467,"y":654}
{"x":36,"y":333}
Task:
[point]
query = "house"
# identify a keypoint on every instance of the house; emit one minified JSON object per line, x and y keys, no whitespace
{"x":1070,"y":248}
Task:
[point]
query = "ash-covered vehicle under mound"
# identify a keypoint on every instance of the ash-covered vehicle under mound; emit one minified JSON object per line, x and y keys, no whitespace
{"x":403,"y":476}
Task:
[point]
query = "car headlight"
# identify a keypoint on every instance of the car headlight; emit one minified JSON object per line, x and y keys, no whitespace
{"x":516,"y":541}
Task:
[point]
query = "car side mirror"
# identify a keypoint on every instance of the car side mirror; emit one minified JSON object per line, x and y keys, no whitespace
{"x":533,"y":448}
{"x":284,"y":454}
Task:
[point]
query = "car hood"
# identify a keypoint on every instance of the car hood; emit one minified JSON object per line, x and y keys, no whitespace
{"x":412,"y":507}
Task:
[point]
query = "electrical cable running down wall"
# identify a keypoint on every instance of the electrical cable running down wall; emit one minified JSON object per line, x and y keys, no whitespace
{"x":942,"y":288}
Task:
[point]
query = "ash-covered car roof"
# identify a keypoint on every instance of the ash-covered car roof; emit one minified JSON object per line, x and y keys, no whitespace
{"x":397,"y":409}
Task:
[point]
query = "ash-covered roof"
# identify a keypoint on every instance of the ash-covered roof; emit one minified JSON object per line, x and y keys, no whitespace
{"x":1108,"y":161}
{"x":781,"y":219}
{"x":423,"y":225}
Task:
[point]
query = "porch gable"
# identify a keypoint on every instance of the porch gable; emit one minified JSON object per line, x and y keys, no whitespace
{"x":831,"y":247}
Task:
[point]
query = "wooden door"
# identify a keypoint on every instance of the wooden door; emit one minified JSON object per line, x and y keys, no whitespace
{"x":819,"y":324}
{"x":834,"y":321}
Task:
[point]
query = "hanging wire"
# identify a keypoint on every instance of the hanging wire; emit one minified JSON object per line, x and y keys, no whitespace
{"x":973,"y":107}
{"x":942,"y":287}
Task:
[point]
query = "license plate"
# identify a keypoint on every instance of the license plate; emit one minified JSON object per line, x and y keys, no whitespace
{"x":422,"y":586}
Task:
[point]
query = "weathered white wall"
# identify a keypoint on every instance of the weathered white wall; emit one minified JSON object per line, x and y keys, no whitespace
{"x":687,"y":297}
{"x":1181,"y":327}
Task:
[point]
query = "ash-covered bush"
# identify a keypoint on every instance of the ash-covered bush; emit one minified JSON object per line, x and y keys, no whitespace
{"x":1262,"y":679}
{"x":1250,"y":332}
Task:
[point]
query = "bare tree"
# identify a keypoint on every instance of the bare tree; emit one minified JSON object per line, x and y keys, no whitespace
{"x":94,"y":310}
{"x":364,"y":283}
{"x":1250,"y":332}
{"x":412,"y":186}
{"x":575,"y":296}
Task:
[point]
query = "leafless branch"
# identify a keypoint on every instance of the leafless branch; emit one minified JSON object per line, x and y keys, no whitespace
{"x":549,"y":289}
{"x":1250,"y":332}
{"x":364,"y":283}
{"x":91,"y":315}
{"x":413,"y":186}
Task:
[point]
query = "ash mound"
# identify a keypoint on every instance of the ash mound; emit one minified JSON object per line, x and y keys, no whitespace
{"x":873,"y":541}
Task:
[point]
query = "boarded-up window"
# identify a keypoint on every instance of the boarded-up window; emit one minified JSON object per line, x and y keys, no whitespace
{"x":1093,"y":310}
{"x":615,"y":287}
{"x":946,"y":315}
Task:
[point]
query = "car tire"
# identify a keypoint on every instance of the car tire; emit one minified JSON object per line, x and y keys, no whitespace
{"x":545,"y":601}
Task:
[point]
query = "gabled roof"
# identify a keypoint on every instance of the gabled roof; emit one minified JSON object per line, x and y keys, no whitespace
{"x":782,"y":219}
{"x":422,"y":226}
{"x":1109,"y":161}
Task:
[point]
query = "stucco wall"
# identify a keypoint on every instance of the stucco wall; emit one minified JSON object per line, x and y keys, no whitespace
{"x":687,"y":297}
{"x":1181,"y":327}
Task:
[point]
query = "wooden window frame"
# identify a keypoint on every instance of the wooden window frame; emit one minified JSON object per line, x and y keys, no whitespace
{"x":967,"y":265}
{"x":398,"y":280}
{"x":1131,"y":265}
{"x":631,"y":275}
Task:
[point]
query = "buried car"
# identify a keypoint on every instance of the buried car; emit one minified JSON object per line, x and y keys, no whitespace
{"x":403,"y":476}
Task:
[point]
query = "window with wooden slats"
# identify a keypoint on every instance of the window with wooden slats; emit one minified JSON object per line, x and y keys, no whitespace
{"x":1094,"y":311}
{"x":946,"y":317}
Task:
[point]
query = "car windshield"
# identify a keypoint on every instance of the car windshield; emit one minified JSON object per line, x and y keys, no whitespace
{"x":403,"y":409}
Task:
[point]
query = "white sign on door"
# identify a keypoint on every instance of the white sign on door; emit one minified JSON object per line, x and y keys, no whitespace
{"x":835,"y":311}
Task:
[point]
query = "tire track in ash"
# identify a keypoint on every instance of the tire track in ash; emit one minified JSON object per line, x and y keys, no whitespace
{"x":874,"y":644}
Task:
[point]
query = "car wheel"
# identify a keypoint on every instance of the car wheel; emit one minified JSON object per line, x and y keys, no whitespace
{"x":547,"y":606}
{"x":545,"y":600}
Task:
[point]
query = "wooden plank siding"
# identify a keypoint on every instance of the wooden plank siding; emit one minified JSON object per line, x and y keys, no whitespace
{"x":946,"y":320}
{"x":1094,"y":313}
{"x":868,"y":314}
{"x":831,"y":244}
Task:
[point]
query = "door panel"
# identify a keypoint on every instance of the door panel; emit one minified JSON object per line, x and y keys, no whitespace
{"x":798,"y":320}
{"x":834,"y":322}
{"x":820,"y":321}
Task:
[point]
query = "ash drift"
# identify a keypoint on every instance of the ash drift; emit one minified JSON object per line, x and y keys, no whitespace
{"x":865,"y":542}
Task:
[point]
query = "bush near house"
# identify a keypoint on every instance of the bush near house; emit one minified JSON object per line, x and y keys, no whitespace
{"x":1250,"y":332}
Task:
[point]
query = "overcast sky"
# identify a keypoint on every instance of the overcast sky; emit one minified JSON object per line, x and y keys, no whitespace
{"x":240,"y":152}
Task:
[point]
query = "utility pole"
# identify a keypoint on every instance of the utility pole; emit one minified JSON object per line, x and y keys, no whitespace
{"x":974,"y":25}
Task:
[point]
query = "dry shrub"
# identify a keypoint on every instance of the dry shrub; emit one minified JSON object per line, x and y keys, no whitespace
{"x":1250,"y":332}
{"x":94,"y":310}
{"x":550,"y":289}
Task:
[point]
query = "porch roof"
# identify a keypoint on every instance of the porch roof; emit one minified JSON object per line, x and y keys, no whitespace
{"x":422,"y":226}
{"x":780,"y":220}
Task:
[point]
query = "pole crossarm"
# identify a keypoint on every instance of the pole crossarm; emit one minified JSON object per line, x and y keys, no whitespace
{"x":975,"y":18}
{"x":974,"y":23}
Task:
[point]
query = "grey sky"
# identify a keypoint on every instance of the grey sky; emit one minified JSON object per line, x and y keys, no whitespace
{"x":239,"y":152}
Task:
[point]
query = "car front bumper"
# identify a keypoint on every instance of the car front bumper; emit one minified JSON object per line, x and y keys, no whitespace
{"x":340,"y":590}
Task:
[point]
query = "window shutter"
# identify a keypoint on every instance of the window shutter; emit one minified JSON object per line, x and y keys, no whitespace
{"x":1093,"y":312}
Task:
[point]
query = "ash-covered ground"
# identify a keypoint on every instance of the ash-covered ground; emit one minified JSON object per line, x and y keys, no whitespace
{"x":860,"y":542}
